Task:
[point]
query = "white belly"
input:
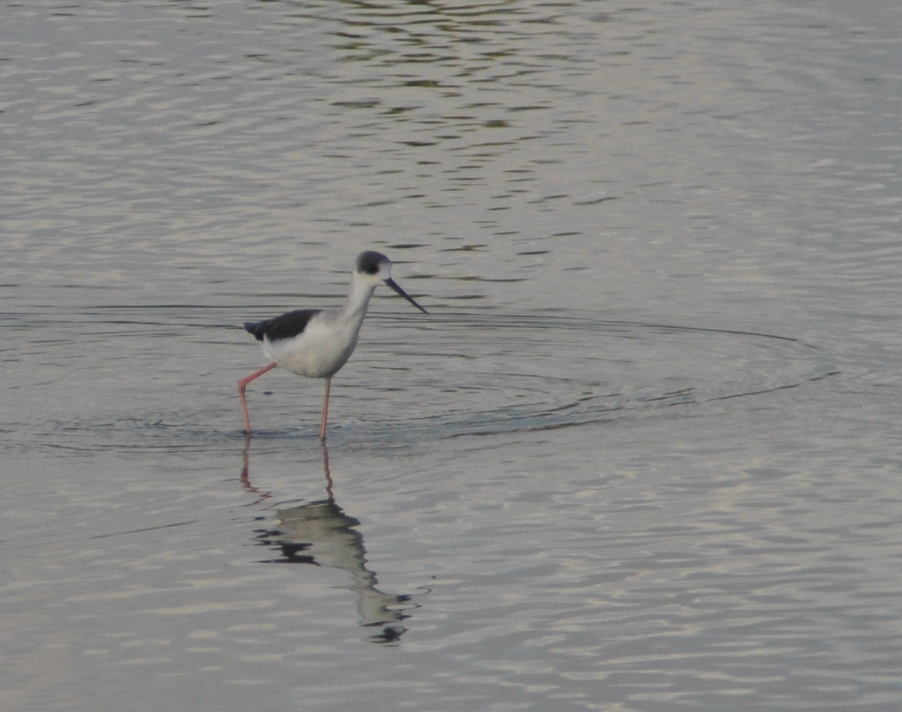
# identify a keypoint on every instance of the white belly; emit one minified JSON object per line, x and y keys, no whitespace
{"x":316,"y":353}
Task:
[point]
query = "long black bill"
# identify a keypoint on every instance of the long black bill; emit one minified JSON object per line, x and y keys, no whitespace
{"x":394,"y":285}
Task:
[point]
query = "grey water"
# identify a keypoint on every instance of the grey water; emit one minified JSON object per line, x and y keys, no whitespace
{"x":642,"y":454}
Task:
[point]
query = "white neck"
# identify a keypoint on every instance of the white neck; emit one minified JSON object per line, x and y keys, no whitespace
{"x":358,"y":299}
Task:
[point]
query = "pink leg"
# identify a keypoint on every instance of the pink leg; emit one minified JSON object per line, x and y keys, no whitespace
{"x":242,"y":385}
{"x":322,"y":430}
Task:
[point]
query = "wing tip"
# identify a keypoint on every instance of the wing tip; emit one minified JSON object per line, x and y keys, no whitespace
{"x":254,"y":328}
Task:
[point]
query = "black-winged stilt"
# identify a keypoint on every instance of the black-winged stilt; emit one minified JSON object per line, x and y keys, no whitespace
{"x":316,"y":343}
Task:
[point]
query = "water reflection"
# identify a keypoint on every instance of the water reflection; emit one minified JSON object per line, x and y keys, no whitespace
{"x":321,"y":534}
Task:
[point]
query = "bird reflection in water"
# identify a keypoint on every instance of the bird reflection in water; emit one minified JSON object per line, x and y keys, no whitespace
{"x":320,"y":533}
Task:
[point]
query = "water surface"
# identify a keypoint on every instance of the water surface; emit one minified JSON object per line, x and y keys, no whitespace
{"x":642,"y":454}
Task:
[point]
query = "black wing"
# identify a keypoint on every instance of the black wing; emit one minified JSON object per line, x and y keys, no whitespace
{"x":285,"y":326}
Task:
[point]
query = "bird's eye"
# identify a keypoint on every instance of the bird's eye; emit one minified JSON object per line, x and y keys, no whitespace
{"x":371,"y":269}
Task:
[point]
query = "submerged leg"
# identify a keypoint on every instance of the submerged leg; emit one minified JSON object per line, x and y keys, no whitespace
{"x":242,"y":385}
{"x":322,"y":429}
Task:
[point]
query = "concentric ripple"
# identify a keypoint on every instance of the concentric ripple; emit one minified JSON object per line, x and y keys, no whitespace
{"x":467,"y":374}
{"x":165,"y":378}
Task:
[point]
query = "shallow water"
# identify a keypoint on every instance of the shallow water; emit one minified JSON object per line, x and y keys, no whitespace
{"x":641,"y":455}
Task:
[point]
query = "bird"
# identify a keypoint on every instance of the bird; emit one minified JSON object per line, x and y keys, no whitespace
{"x":316,"y":343}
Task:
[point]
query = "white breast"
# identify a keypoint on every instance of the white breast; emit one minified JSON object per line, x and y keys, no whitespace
{"x":318,"y":352}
